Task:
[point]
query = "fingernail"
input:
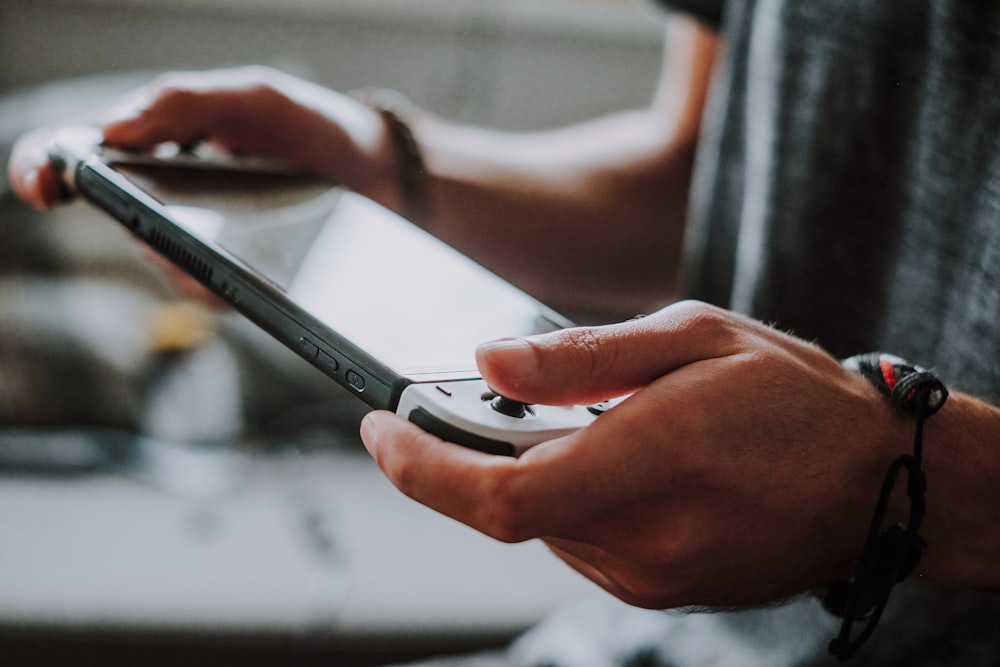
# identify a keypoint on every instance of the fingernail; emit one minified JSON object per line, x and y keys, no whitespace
{"x":514,"y":355}
{"x":29,"y":181}
{"x":369,"y":430}
{"x":113,"y":129}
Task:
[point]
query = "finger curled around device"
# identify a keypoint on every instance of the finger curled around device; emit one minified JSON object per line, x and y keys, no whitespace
{"x":34,"y":177}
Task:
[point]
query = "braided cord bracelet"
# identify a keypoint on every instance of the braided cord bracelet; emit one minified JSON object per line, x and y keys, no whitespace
{"x":396,"y":110}
{"x":889,"y":555}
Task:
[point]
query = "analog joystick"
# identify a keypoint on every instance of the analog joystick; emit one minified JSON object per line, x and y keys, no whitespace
{"x":511,"y":408}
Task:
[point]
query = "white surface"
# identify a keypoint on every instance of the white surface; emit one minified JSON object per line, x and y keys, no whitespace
{"x":114,"y":551}
{"x":512,"y":63}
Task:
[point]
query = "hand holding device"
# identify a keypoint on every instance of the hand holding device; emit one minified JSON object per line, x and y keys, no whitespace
{"x":380,"y":306}
{"x":723,"y":480}
{"x":34,"y":179}
{"x":251,"y":110}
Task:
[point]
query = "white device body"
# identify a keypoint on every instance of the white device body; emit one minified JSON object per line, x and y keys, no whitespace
{"x":466,"y":406}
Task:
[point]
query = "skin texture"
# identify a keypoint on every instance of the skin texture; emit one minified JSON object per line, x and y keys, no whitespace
{"x":745,"y":464}
{"x":743,"y":469}
{"x":248,"y":110}
{"x":689,"y":492}
{"x":533,"y":207}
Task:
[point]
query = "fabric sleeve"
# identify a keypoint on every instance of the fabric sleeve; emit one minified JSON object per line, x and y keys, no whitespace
{"x":706,"y":11}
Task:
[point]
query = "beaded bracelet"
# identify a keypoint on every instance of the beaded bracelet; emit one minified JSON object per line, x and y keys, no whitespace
{"x":890,"y":555}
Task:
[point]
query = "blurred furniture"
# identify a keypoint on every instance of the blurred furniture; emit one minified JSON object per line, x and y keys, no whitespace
{"x":285,"y":546}
{"x":218,"y":556}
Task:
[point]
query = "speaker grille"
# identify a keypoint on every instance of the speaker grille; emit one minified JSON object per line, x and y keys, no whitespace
{"x":181,"y":256}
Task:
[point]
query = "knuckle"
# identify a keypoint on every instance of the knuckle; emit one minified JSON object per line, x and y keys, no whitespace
{"x":660,"y":551}
{"x":405,"y":472}
{"x":173,"y":94}
{"x":173,"y":82}
{"x":701,"y":314}
{"x":594,"y":353}
{"x":650,"y":569}
{"x":702,"y":321}
{"x":508,"y":514}
{"x":641,"y":588}
{"x":261,"y":93}
{"x":266,"y":94}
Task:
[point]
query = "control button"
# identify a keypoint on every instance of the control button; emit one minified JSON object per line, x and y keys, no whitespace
{"x":599,"y":408}
{"x":307,"y":345}
{"x":329,"y":362}
{"x":356,"y":380}
{"x":506,"y":406}
{"x":231,"y":293}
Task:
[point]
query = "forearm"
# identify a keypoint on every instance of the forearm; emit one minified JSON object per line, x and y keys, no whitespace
{"x":589,"y":215}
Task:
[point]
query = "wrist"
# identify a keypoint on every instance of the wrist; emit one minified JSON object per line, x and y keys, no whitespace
{"x":962,"y":527}
{"x":892,"y":550}
{"x":403,"y":186}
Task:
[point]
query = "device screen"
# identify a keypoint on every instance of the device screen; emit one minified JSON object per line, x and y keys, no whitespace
{"x":409,"y":300}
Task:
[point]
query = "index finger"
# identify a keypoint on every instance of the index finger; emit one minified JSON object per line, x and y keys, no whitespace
{"x":456,"y":481}
{"x":32,"y":175}
{"x":179,"y":114}
{"x":548,"y":491}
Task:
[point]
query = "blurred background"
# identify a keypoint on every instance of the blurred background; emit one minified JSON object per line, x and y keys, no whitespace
{"x":175,"y":488}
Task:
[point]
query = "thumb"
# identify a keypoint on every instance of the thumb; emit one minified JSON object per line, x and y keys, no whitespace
{"x":589,"y":364}
{"x":32,"y":175}
{"x":573,"y":366}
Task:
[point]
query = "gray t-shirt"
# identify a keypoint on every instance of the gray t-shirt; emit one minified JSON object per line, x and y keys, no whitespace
{"x":848,"y":186}
{"x":848,"y":189}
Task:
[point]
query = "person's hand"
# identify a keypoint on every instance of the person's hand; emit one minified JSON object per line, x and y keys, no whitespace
{"x":250,"y":110}
{"x":743,"y":469}
{"x":32,"y":175}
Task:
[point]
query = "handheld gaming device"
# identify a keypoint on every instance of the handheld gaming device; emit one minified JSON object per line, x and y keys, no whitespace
{"x":382,"y":307}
